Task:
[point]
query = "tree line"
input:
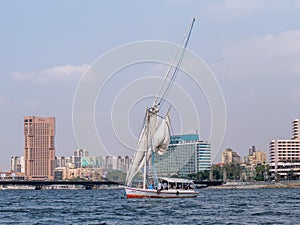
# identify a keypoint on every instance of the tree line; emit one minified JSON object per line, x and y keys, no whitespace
{"x":233,"y":172}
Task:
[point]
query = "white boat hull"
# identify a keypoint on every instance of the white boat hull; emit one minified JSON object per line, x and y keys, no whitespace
{"x":132,"y":192}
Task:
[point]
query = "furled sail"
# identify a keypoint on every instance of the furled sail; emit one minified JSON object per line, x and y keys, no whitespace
{"x":152,"y":136}
{"x":161,"y":138}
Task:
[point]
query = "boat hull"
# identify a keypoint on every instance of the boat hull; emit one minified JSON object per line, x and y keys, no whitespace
{"x":152,"y":193}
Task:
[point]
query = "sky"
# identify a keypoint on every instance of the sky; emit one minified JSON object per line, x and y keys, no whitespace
{"x":252,"y":47}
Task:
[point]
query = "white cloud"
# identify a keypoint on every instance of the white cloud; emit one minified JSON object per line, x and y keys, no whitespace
{"x":54,"y":74}
{"x":230,"y":9}
{"x":269,"y":55}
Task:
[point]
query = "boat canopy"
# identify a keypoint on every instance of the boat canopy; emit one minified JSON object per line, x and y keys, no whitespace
{"x":175,"y":180}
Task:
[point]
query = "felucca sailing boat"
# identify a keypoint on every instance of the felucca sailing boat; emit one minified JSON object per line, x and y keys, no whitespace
{"x":155,"y":138}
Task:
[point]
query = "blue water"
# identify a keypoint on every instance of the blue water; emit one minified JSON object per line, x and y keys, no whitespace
{"x":255,"y":206}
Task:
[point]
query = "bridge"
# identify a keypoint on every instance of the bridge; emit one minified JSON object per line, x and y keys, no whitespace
{"x":40,"y":184}
{"x":87,"y":184}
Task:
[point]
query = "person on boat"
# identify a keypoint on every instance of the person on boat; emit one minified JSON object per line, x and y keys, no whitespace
{"x":165,"y":186}
{"x":172,"y":185}
{"x":151,"y":186}
{"x":159,"y":186}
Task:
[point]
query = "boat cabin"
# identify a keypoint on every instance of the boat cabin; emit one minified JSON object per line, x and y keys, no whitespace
{"x":175,"y":183}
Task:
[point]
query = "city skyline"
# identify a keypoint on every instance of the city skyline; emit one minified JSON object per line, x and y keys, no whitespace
{"x":252,"y":47}
{"x":38,"y":126}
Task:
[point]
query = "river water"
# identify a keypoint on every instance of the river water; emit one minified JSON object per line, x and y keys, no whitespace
{"x":219,"y":206}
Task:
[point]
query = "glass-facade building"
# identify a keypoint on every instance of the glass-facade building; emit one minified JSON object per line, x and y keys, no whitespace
{"x":186,"y":154}
{"x":203,"y":156}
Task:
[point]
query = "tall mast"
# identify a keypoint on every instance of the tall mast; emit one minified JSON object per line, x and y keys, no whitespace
{"x":146,"y":152}
{"x":175,"y":66}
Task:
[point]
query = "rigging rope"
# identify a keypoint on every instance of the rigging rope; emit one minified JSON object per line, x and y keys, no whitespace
{"x":182,"y":48}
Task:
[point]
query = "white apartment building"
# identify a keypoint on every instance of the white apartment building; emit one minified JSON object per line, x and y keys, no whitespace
{"x":285,"y":154}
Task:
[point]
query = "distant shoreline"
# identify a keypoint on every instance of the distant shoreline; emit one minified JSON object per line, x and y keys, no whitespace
{"x":245,"y":185}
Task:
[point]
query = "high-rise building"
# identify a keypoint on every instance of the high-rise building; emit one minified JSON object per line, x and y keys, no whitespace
{"x":296,"y":129}
{"x":229,"y":156}
{"x":120,"y":163}
{"x":203,"y":156}
{"x":111,"y":163}
{"x":127,"y":162}
{"x":39,"y":147}
{"x":255,"y":157}
{"x":285,"y":154}
{"x":91,"y":162}
{"x":17,"y":164}
{"x":82,"y":159}
{"x":186,"y":154}
{"x":62,"y":161}
{"x":77,"y":156}
{"x":252,"y":150}
{"x":258,"y":157}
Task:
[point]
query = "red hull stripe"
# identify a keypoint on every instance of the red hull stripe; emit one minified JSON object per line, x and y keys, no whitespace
{"x":142,"y":196}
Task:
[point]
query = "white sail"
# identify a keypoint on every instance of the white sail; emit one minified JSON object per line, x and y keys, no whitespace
{"x":161,"y":138}
{"x":158,"y":138}
{"x":143,"y":149}
{"x":138,"y":157}
{"x":154,"y":138}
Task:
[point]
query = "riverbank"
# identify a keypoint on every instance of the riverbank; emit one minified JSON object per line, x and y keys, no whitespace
{"x":257,"y":185}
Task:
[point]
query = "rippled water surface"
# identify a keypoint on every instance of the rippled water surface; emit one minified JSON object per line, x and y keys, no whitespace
{"x":255,"y":206}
